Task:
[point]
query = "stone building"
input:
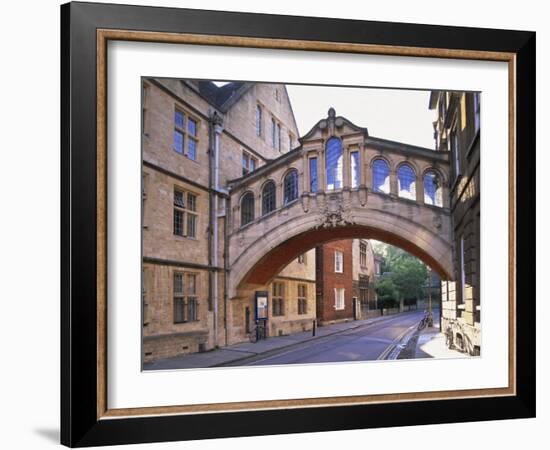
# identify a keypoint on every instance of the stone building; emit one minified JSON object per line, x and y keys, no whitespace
{"x":231,"y":193}
{"x":196,"y":136}
{"x":457,"y":131}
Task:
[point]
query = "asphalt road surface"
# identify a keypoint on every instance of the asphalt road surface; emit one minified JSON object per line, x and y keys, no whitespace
{"x":366,"y":343}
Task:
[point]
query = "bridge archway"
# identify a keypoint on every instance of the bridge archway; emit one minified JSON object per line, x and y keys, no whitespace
{"x":264,"y":256}
{"x":354,"y":207}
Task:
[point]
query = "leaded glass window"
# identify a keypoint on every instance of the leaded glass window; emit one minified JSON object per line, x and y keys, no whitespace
{"x":354,"y":166}
{"x":313,"y":175}
{"x":247,"y":208}
{"x":406,"y":182}
{"x":432,"y":189}
{"x":334,"y":159}
{"x":268,"y":198}
{"x":290,"y":187}
{"x":381,"y":176}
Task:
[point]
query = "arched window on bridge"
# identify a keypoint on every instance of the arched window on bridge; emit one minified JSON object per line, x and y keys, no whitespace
{"x":381,"y":176}
{"x":290,"y":186}
{"x":247,"y":208}
{"x":334,"y":163}
{"x":268,"y":198}
{"x":433,"y":188}
{"x":406,"y":182}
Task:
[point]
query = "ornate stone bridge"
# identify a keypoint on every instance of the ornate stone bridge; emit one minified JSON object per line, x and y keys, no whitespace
{"x":339,"y":183}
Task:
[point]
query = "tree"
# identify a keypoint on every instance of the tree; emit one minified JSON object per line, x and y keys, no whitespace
{"x":409,"y":276}
{"x":405,"y":275}
{"x":386,"y":292}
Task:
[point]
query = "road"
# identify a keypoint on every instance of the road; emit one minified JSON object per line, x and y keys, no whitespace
{"x":366,"y":343}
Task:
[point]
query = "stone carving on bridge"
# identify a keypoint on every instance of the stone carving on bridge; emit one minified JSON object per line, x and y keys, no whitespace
{"x":363,"y":194}
{"x":336,"y":212}
{"x":437,"y":221}
{"x":305,"y":202}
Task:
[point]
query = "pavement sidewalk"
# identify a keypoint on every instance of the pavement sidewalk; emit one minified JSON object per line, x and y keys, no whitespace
{"x":431,"y":344}
{"x":245,"y":350}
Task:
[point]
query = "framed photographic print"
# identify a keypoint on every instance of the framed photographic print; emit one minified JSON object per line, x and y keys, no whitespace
{"x":276,"y":224}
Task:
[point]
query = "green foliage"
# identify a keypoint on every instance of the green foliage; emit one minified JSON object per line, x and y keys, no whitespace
{"x":405,"y":275}
{"x":386,"y":290}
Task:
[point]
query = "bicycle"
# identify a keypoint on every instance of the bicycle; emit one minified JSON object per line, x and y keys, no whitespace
{"x":424,"y":322}
{"x":257,"y":333}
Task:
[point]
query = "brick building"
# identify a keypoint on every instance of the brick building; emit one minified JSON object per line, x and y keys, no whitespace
{"x":196,"y":136}
{"x":334,"y":282}
{"x":457,"y":131}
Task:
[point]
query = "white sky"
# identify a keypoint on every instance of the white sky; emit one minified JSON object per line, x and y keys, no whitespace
{"x":394,"y":114}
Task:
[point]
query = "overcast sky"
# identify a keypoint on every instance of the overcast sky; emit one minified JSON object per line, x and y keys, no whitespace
{"x":397,"y":115}
{"x":394,"y":114}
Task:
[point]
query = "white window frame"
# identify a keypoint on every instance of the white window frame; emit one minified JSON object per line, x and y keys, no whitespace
{"x":338,"y":261}
{"x":339,"y":299}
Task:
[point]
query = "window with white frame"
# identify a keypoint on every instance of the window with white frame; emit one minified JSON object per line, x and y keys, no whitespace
{"x":339,"y":302}
{"x":363,"y":254}
{"x":338,"y":262}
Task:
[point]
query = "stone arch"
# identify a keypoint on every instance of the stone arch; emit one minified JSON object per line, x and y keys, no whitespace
{"x":267,"y":183}
{"x":286,"y":173}
{"x":415,"y":173}
{"x":408,"y":162}
{"x":441,"y":173}
{"x":246,"y":196}
{"x":371,"y":170}
{"x":389,"y":161}
{"x":265,"y":256}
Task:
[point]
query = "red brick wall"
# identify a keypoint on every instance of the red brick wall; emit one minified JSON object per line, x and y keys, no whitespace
{"x":327,"y":280}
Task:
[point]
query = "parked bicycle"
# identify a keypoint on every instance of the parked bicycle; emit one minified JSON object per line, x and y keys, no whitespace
{"x":424,"y":322}
{"x":258,"y":332}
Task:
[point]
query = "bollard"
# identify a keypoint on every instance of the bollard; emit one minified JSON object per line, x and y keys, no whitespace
{"x":313,"y":329}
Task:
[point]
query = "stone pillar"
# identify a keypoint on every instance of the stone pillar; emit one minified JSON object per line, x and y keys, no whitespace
{"x":363,"y":167}
{"x":305,"y":178}
{"x":321,"y":179}
{"x":420,"y":189}
{"x":258,"y":204}
{"x":346,"y":169}
{"x":393,"y":182}
{"x":279,"y":194}
{"x":445,"y":195}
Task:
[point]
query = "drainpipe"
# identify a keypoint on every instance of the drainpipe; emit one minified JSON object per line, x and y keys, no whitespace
{"x":210,"y":207}
{"x":218,"y":128}
{"x":225,"y":260}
